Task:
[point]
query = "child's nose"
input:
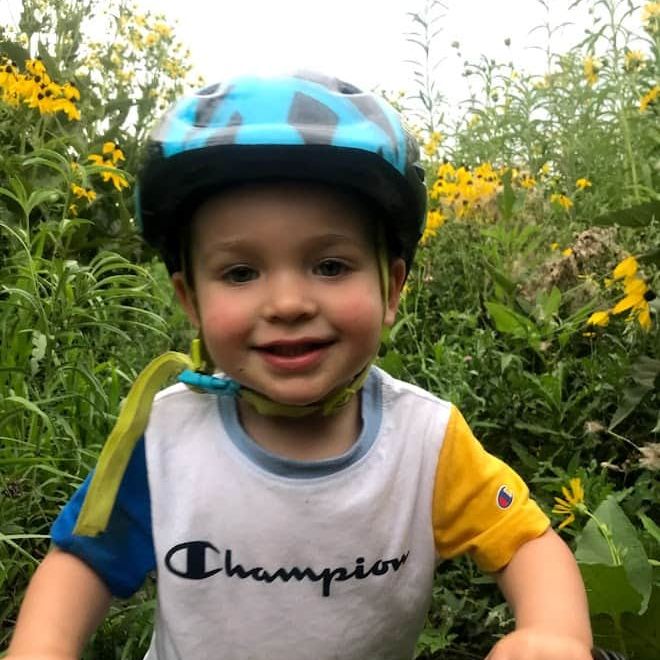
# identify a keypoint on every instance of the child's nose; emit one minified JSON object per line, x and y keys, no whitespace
{"x":288,"y":299}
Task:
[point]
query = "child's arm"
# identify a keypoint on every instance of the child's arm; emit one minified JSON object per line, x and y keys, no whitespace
{"x":542,"y":583}
{"x":64,"y":604}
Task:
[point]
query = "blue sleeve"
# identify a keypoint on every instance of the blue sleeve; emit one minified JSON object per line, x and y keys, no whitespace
{"x":123,"y":555}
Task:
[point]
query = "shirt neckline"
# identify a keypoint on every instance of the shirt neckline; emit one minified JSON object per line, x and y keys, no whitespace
{"x":371,"y":414}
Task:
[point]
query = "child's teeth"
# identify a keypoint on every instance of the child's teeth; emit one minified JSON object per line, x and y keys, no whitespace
{"x":292,"y":351}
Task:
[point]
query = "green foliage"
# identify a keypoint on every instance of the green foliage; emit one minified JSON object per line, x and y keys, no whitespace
{"x":79,"y":316}
{"x":619,"y":580}
{"x":559,"y":183}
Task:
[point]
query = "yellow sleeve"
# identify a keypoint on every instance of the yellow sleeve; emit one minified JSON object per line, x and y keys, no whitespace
{"x":480,"y":505}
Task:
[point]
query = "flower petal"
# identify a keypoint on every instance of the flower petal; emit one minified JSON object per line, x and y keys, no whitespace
{"x":567,"y":521}
{"x":627,"y":268}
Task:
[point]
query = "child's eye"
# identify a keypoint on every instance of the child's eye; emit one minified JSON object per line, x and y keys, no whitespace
{"x":331,"y":268}
{"x":239,"y":275}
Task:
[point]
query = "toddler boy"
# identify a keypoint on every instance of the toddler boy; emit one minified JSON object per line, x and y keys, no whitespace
{"x":293,"y":499}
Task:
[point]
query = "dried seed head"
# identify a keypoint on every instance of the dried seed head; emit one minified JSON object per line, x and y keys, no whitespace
{"x":593,"y":427}
{"x":650,"y":456}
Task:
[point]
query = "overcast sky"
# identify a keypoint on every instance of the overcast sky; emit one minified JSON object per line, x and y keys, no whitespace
{"x":362,"y":41}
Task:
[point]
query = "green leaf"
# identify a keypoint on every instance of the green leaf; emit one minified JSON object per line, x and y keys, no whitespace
{"x":632,"y":397}
{"x":637,"y":636}
{"x":551,"y":303}
{"x":507,"y":321}
{"x":642,"y":633}
{"x":501,"y":279}
{"x":608,"y":590}
{"x":40,"y":196}
{"x":49,"y":61}
{"x":644,"y":372}
{"x":651,"y":257}
{"x":15,"y":52}
{"x":31,"y":407}
{"x":593,"y":548}
{"x":392,"y":363}
{"x":11,"y":195}
{"x":524,"y":456}
{"x":650,"y":526}
{"x":507,"y":198}
{"x":640,"y":215}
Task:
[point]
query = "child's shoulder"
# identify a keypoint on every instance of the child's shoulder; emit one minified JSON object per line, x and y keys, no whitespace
{"x":181,"y":394}
{"x":396,"y":390}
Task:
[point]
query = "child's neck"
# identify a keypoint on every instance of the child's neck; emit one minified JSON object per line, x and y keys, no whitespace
{"x":310,"y":438}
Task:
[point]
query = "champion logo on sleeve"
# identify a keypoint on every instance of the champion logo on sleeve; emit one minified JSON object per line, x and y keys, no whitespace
{"x":504,"y":497}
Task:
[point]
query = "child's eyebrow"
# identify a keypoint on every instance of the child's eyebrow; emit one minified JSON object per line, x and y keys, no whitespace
{"x":252,"y":244}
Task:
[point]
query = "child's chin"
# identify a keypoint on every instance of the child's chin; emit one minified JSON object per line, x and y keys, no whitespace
{"x":297,"y":400}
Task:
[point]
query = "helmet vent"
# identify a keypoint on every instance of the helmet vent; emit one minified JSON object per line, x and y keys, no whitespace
{"x":210,"y":90}
{"x":347,"y":88}
{"x":315,"y":121}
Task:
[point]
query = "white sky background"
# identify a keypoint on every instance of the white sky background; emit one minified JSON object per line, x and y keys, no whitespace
{"x":362,"y":41}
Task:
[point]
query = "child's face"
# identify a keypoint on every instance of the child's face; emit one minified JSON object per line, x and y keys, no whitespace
{"x":287,"y":290}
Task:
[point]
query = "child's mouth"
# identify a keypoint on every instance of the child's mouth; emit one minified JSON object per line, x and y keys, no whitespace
{"x":293,"y":350}
{"x":294,"y":356}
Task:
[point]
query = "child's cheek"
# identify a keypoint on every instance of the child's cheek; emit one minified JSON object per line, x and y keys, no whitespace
{"x":362,"y":314}
{"x":224,"y":320}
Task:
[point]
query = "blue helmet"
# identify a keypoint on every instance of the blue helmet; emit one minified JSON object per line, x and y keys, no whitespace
{"x":306,"y":127}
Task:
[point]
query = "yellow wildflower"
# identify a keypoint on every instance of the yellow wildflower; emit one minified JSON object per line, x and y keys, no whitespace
{"x":83,"y":193}
{"x":445,"y":170}
{"x":572,"y":502}
{"x":561,"y":200}
{"x":118,"y":180}
{"x":110,"y":149}
{"x":567,"y":252}
{"x":112,"y":154}
{"x":599,"y":318}
{"x":68,"y":108}
{"x":636,"y":300}
{"x":35,"y":67}
{"x":649,"y":98}
{"x":163,"y":29}
{"x":434,"y":220}
{"x":431,"y":146}
{"x":651,"y":16}
{"x":554,"y":246}
{"x":591,"y":66}
{"x":583,"y":183}
{"x":70,"y":91}
{"x":626,"y":269}
{"x":527,"y":181}
{"x":35,"y":89}
{"x":634,"y":59}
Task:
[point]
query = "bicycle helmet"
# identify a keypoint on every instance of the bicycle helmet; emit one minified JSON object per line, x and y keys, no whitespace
{"x":304,"y":126}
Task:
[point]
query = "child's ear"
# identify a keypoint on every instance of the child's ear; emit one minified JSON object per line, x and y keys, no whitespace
{"x":186,"y":296}
{"x":397,"y":278}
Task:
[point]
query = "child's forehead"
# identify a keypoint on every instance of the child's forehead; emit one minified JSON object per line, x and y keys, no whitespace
{"x":327,"y":208}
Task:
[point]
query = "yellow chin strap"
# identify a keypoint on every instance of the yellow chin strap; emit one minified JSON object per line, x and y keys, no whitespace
{"x":134,"y":415}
